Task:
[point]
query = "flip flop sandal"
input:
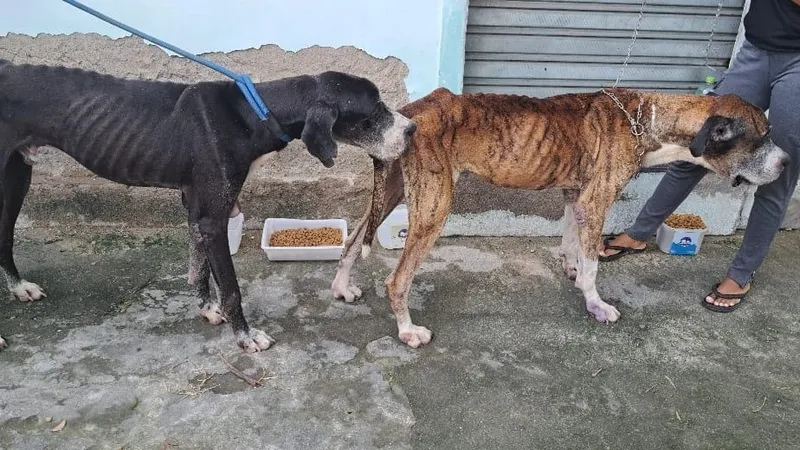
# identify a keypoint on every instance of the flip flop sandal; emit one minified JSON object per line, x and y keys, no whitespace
{"x":621,"y":251}
{"x":723,"y":309}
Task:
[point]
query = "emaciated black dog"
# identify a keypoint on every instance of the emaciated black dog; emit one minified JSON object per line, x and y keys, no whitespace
{"x":199,"y":138}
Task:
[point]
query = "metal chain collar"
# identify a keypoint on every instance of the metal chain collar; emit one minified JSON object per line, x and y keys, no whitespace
{"x":637,"y":129}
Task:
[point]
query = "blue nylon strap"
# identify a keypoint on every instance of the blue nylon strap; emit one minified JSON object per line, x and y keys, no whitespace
{"x":243,"y":81}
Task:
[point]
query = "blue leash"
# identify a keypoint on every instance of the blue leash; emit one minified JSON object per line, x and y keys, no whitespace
{"x":242,"y":80}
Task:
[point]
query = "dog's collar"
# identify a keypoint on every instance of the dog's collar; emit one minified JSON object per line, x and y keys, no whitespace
{"x":275,"y":127}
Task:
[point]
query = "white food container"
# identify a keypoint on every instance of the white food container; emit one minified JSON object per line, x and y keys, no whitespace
{"x":329,"y":252}
{"x":392,"y":232}
{"x":235,"y":227}
{"x":679,"y":241}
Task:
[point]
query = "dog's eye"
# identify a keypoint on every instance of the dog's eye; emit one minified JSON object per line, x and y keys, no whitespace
{"x":366,"y":124}
{"x":765,"y":138}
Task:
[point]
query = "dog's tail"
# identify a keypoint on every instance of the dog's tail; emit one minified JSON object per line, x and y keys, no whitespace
{"x":377,"y":205}
{"x":387,"y":193}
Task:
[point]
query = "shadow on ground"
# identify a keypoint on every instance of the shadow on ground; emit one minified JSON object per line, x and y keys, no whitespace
{"x":117,"y":351}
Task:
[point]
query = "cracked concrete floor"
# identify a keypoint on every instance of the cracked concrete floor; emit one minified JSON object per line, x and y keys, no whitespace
{"x":117,"y":351}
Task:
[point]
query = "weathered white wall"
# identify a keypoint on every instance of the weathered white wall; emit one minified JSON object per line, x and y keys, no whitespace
{"x":409,"y":30}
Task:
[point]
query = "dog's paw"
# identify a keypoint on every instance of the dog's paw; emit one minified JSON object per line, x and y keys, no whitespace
{"x":27,"y":291}
{"x":602,"y":311}
{"x":3,"y":343}
{"x":345,"y":291}
{"x":254,"y":342}
{"x":415,"y":336}
{"x":212,"y":313}
{"x":570,"y":271}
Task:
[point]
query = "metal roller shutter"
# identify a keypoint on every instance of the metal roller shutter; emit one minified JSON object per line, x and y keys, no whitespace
{"x":543,"y":48}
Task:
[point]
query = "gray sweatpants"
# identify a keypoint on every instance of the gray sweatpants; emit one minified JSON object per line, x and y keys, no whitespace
{"x":769,"y":80}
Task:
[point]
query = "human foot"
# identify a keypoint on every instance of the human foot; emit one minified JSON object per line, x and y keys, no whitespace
{"x":726,"y":296}
{"x":619,"y":246}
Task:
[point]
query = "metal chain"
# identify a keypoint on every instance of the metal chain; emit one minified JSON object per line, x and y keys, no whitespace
{"x":711,"y":35}
{"x":637,"y":129}
{"x":633,"y":41}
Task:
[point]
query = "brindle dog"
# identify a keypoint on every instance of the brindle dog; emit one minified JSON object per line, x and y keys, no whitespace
{"x":581,"y":143}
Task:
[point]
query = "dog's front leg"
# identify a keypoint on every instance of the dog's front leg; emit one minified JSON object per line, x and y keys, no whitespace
{"x":200,"y":272}
{"x":213,"y":237}
{"x":430,"y":198}
{"x":200,"y":278}
{"x":586,"y":282}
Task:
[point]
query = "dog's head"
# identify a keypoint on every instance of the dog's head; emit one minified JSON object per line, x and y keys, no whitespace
{"x":349,"y":109}
{"x":735,"y":142}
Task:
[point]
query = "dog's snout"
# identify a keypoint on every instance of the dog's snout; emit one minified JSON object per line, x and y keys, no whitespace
{"x":410,"y":129}
{"x":783,"y":162}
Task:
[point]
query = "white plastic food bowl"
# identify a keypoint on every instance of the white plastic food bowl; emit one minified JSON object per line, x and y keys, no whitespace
{"x":235,"y":226}
{"x":327,"y":252}
{"x":679,"y":241}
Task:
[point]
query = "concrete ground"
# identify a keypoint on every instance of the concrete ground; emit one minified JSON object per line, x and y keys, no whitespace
{"x":117,"y":351}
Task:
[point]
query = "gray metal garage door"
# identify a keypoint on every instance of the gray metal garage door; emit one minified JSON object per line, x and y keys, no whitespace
{"x":542,"y":48}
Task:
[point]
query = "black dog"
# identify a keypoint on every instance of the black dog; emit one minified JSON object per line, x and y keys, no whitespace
{"x":200,"y":138}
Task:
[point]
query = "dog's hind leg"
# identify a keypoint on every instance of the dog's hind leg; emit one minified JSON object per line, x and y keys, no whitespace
{"x":430,"y":198}
{"x":569,"y":236}
{"x":594,"y":204}
{"x":392,"y":195}
{"x":16,"y":179}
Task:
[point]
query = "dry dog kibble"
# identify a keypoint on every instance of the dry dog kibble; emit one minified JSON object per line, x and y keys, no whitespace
{"x":685,"y":221}
{"x":306,"y":237}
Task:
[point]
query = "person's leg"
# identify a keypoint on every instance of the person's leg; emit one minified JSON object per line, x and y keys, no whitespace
{"x":749,"y":78}
{"x":771,"y":200}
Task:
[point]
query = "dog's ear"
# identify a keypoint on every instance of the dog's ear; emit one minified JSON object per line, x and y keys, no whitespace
{"x":318,"y":132}
{"x":716,"y":129}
